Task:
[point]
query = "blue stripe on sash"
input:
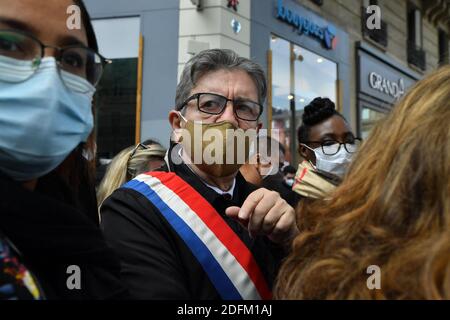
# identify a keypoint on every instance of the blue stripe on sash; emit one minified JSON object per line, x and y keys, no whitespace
{"x":215,"y":272}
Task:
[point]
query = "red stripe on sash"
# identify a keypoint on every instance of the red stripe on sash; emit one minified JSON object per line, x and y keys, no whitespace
{"x":217,"y":225}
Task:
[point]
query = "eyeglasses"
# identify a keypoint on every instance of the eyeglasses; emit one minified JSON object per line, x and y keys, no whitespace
{"x":77,"y":60}
{"x":331,"y":147}
{"x":215,"y":104}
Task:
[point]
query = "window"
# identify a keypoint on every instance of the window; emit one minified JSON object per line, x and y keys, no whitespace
{"x":369,"y":117}
{"x":416,"y":55}
{"x":115,"y":101}
{"x":443,"y":47}
{"x":298,"y":76}
{"x":415,"y":27}
{"x":367,"y":3}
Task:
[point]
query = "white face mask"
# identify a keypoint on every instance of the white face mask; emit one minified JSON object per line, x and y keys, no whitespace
{"x":336,"y":164}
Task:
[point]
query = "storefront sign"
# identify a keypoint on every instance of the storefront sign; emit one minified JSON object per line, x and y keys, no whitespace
{"x":303,"y":25}
{"x":395,"y":89}
{"x":382,"y":80}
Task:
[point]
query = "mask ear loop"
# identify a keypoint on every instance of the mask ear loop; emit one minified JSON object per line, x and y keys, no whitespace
{"x":310,"y":162}
{"x":199,"y":122}
{"x":174,"y":137}
{"x":182,"y":117}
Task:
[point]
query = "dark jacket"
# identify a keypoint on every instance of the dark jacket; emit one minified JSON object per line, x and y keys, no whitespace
{"x":276,"y":183}
{"x":50,"y":236}
{"x":82,"y":198}
{"x":156,"y":263}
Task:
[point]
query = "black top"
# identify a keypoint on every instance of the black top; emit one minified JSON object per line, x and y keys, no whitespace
{"x":156,"y":263}
{"x":83,"y":199}
{"x":50,"y":236}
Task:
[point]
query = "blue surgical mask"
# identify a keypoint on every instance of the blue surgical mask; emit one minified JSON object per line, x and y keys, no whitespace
{"x":42,"y":120}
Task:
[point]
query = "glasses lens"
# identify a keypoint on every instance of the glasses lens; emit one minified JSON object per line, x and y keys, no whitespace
{"x":210,"y":103}
{"x":19,"y":46}
{"x":247,"y":110}
{"x":82,"y":62}
{"x":353,"y":146}
{"x":330,"y":148}
{"x":19,"y":56}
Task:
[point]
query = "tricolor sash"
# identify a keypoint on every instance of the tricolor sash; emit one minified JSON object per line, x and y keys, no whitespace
{"x":226,"y":260}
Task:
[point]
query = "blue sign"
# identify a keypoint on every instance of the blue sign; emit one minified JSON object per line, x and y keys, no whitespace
{"x":303,"y":25}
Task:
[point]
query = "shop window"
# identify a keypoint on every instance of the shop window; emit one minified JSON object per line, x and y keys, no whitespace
{"x":115,"y":100}
{"x":369,"y":117}
{"x":443,"y":47}
{"x":416,"y":54}
{"x":298,"y":76}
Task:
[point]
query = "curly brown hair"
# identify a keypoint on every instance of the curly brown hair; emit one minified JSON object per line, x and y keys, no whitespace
{"x":392,"y":210}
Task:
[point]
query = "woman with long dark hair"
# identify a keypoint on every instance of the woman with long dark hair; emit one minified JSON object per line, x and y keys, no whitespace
{"x":49,"y":245}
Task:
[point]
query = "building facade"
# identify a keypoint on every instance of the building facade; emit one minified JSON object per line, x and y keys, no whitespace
{"x":138,"y":88}
{"x":308,"y":48}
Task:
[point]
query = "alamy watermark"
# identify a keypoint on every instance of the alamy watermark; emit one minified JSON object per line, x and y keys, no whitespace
{"x":74,"y":20}
{"x":374,"y":280}
{"x":374,"y":20}
{"x":73,"y":281}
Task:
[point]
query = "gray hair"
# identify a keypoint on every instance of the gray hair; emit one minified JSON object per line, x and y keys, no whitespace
{"x":217,"y":59}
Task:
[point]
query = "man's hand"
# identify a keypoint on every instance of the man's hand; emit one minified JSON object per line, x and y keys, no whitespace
{"x":264,"y":212}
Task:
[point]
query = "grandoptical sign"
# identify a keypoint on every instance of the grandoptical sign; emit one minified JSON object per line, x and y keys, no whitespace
{"x":393,"y":88}
{"x":381,"y":80}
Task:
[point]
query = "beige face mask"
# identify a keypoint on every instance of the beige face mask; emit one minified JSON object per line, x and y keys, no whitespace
{"x":218,"y":149}
{"x":310,"y":184}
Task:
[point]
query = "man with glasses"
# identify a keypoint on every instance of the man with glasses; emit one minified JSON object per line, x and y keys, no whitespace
{"x":198,"y":230}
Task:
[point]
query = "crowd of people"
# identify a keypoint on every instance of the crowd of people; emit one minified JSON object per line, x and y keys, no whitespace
{"x":169,"y":224}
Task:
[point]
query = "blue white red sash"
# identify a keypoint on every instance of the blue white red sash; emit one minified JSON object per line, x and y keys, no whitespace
{"x":224,"y":257}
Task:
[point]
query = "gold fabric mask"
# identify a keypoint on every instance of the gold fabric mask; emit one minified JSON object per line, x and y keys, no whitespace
{"x":218,"y":149}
